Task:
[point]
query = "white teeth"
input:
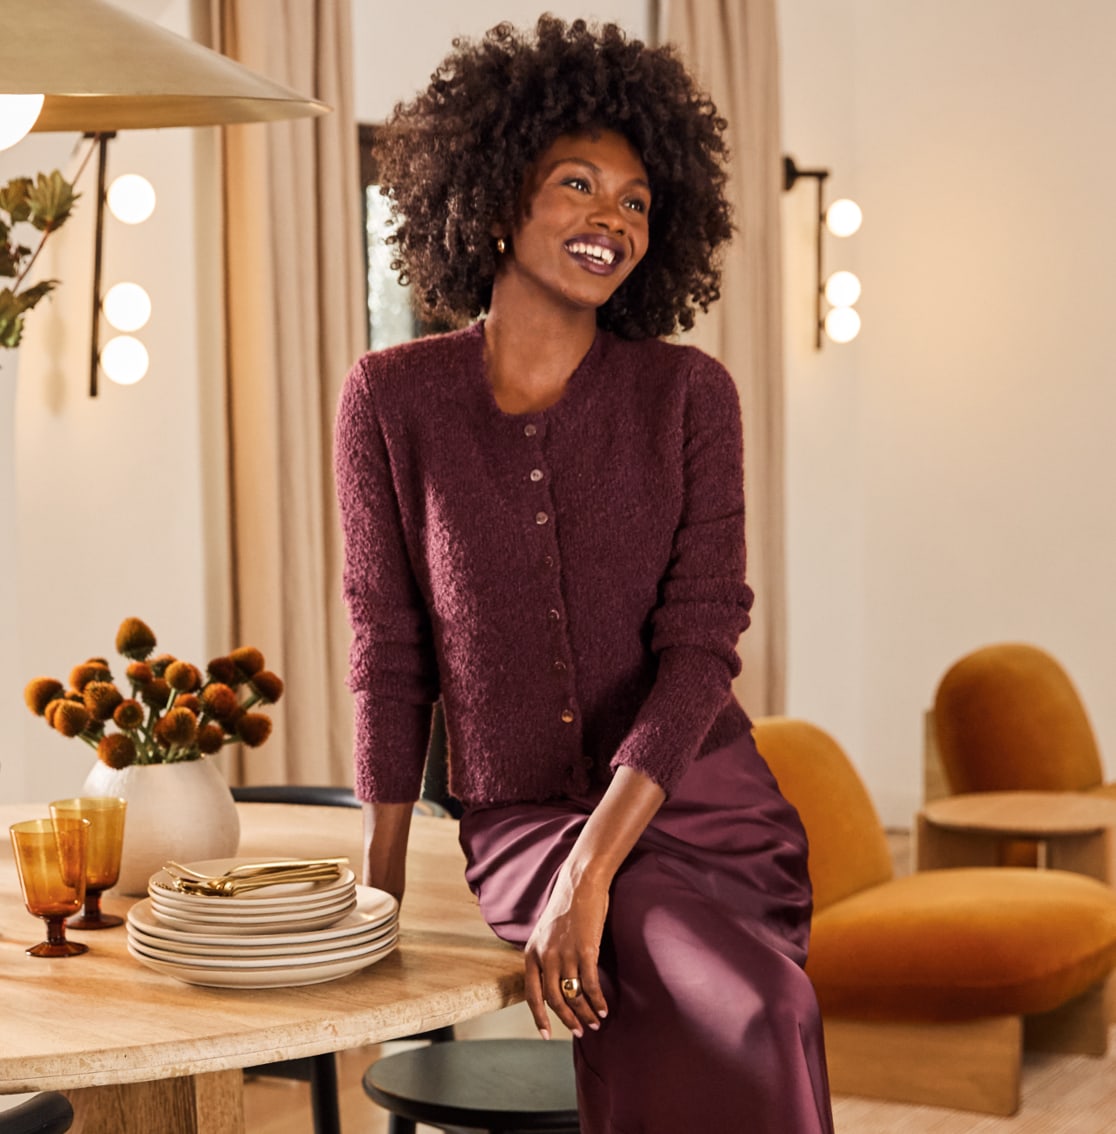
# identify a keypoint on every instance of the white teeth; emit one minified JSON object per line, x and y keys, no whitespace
{"x":580,"y":248}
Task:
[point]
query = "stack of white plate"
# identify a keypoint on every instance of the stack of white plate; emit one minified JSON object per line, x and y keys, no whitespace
{"x":270,"y":937}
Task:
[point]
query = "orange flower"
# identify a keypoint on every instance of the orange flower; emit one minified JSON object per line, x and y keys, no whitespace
{"x":116,"y":750}
{"x":210,"y":738}
{"x":101,"y":699}
{"x":70,"y":718}
{"x":248,"y":660}
{"x":134,"y":639}
{"x":41,"y":692}
{"x":268,"y":686}
{"x":178,"y":729}
{"x":184,"y":677}
{"x":219,"y":701}
{"x":223,"y":669}
{"x":82,"y":675}
{"x":155,"y":693}
{"x":253,"y":729}
{"x":128,"y":714}
{"x":175,"y":711}
{"x":159,"y":664}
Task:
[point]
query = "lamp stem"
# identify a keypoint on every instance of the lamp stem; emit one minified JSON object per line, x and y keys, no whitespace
{"x":102,"y":141}
{"x":818,"y":322}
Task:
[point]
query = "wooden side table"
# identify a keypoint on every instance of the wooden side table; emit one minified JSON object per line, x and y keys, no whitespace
{"x":1078,"y":831}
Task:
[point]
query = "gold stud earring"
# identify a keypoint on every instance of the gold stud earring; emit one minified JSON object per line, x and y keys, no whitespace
{"x":501,"y":245}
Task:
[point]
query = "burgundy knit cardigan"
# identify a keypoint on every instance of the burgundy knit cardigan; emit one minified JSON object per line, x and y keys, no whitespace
{"x":570,"y":582}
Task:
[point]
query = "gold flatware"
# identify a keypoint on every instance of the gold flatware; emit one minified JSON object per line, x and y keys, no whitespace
{"x":250,"y":869}
{"x":229,"y":886}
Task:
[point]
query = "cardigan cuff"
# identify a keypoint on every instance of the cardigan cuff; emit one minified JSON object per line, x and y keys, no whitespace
{"x":389,"y":748}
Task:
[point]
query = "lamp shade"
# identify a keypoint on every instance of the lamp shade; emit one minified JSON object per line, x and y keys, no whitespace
{"x":103,"y":69}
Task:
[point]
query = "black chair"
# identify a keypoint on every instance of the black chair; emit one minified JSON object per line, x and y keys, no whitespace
{"x":320,"y":1071}
{"x":504,"y":1086}
{"x":48,"y":1112}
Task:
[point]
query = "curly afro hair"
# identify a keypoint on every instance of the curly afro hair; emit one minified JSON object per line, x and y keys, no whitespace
{"x":453,"y":163}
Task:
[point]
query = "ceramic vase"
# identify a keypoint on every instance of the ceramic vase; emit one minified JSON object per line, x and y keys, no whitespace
{"x":182,"y":811}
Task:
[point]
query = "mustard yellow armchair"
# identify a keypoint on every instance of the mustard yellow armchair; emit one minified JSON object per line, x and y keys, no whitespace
{"x":1007,"y":717}
{"x":928,"y":983}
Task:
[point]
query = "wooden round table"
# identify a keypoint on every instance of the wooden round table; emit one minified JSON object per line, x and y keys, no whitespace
{"x":1074,"y":829}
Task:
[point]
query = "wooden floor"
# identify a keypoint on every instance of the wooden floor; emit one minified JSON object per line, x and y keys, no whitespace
{"x":1061,"y":1094}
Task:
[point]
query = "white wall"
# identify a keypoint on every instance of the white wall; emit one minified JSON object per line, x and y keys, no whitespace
{"x":105,"y":512}
{"x":950,"y":472}
{"x":397,"y":46}
{"x":947,"y":480}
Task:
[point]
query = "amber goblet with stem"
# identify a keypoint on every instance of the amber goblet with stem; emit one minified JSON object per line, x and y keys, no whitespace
{"x":102,"y":855}
{"x":50,"y":860}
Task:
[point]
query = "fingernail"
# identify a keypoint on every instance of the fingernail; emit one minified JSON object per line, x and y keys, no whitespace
{"x":595,"y":1026}
{"x":545,"y":1033}
{"x":578,"y":1033}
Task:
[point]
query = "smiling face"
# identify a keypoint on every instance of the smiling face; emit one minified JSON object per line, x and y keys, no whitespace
{"x":584,"y":222}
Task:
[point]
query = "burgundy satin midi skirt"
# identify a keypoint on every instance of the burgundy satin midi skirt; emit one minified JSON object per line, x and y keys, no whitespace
{"x":713,"y":1027}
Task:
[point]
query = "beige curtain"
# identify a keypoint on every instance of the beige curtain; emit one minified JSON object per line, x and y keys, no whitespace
{"x":731,"y":46}
{"x":293,"y":270}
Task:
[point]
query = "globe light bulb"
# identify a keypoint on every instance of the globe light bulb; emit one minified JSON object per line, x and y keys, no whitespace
{"x":131,"y":198}
{"x":124,"y":359}
{"x":842,"y":289}
{"x":126,"y":306}
{"x":842,"y":324}
{"x":843,"y":217}
{"x":18,"y":113}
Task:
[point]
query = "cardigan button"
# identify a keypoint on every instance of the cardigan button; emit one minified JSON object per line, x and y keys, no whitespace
{"x":541,"y":518}
{"x":548,"y":560}
{"x":559,"y":666}
{"x":530,"y":430}
{"x":553,"y":614}
{"x":536,"y":474}
{"x":567,"y":716}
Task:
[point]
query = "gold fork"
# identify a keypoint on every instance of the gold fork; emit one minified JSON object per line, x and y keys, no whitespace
{"x":228,"y":886}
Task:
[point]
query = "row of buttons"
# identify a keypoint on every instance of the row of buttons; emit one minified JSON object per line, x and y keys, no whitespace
{"x":554,"y":615}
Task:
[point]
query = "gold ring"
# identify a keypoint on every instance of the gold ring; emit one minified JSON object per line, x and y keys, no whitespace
{"x":571,"y":987}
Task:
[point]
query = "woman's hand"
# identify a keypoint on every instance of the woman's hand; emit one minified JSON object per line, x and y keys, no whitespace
{"x":565,"y":945}
{"x":566,"y":942}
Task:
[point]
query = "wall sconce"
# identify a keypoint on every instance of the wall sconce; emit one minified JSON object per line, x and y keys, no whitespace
{"x":841,"y":321}
{"x":90,"y":67}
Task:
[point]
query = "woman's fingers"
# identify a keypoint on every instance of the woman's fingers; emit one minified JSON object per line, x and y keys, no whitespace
{"x":532,"y":984}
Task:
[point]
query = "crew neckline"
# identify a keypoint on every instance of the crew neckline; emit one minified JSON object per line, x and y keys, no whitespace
{"x":570,"y":393}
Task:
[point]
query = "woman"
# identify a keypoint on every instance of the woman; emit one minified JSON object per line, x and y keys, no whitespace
{"x":545,"y":528}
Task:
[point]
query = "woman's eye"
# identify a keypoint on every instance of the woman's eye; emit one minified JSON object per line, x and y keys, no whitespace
{"x":637,"y":205}
{"x":578,"y":183}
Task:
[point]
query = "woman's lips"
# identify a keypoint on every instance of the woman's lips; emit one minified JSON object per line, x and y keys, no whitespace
{"x":601,"y":255}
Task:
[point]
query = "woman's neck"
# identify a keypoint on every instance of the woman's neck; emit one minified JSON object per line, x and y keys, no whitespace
{"x":530,"y":354}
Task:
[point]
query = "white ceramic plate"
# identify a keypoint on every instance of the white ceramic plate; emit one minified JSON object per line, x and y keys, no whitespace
{"x":289,"y":922}
{"x":216,"y":909}
{"x":373,"y":908}
{"x":264,"y":978}
{"x":208,"y":907}
{"x":344,"y":952}
{"x":359,"y":938}
{"x":284,"y":894}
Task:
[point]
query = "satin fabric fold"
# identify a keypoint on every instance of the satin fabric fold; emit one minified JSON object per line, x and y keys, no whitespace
{"x":713,"y":1025}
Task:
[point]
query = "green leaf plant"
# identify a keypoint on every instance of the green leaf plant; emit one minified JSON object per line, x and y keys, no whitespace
{"x":44,"y":204}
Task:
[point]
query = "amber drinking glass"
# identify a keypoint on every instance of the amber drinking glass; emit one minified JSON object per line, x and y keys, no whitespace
{"x":50,"y":860}
{"x":102,"y":855}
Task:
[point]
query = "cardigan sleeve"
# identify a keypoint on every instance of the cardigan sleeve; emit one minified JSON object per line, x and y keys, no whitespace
{"x":392,"y":670}
{"x":703,"y":599}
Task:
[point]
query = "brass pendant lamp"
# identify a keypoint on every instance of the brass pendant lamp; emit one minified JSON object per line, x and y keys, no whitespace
{"x":101,"y":69}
